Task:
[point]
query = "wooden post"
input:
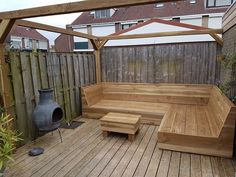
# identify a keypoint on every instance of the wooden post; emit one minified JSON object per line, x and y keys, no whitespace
{"x":98,"y":65}
{"x":6,"y":89}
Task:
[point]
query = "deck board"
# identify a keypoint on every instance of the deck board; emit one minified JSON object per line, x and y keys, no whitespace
{"x":85,"y":152}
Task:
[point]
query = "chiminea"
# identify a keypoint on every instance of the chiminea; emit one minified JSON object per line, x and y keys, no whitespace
{"x":47,"y":115}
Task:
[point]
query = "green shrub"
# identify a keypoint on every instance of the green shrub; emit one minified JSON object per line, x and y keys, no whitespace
{"x":8,"y":139}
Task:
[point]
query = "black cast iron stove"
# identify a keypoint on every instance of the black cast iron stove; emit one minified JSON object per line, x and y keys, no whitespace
{"x":47,"y":115}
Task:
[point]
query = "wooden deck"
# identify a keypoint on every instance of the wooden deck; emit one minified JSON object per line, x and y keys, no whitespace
{"x":85,"y":152}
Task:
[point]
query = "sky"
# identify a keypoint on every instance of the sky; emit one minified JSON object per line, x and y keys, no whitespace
{"x":57,"y":20}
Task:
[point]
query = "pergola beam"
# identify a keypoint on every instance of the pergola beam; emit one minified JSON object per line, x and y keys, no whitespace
{"x":218,"y":39}
{"x":162,"y":34}
{"x":73,"y":7}
{"x":40,"y":26}
{"x":5,"y":28}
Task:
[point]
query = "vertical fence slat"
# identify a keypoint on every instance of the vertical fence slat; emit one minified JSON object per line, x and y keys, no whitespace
{"x":35,"y":75}
{"x":18,"y":88}
{"x":65,"y":86}
{"x":28,"y":90}
{"x":43,"y":70}
{"x":77,"y":83}
{"x":71,"y":79}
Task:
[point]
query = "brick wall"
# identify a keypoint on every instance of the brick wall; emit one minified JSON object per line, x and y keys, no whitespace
{"x":229,"y":38}
{"x":229,"y":46}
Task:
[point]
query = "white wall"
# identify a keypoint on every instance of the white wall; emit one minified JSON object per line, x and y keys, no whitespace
{"x":96,"y":30}
{"x":215,"y":21}
{"x":155,"y":28}
{"x":103,"y":30}
{"x":43,"y":45}
{"x":81,"y":30}
{"x":16,"y":42}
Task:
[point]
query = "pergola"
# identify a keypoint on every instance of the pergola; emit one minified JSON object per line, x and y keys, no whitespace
{"x":13,"y":18}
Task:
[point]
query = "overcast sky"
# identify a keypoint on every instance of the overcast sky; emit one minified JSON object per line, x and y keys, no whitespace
{"x":57,"y":20}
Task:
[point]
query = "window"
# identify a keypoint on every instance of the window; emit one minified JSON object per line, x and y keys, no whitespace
{"x":15,"y":44}
{"x":159,"y":5}
{"x":193,"y":2}
{"x":81,"y":45}
{"x":103,"y":13}
{"x":125,"y":26}
{"x":176,"y":19}
{"x":218,"y":3}
{"x":30,"y":44}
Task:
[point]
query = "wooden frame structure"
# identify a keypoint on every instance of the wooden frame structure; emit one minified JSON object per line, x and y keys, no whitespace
{"x":13,"y":18}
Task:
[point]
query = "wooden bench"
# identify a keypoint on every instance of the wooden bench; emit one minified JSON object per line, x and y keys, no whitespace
{"x":200,"y":129}
{"x":151,"y":101}
{"x":120,"y":123}
{"x":192,"y":118}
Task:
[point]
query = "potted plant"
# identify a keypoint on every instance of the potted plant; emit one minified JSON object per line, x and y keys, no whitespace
{"x":8,"y":139}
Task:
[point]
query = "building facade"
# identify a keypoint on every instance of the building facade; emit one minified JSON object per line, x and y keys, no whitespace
{"x":21,"y":38}
{"x":205,"y":13}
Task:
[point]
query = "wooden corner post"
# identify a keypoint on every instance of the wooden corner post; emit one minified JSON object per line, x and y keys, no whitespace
{"x":5,"y":28}
{"x":98,"y":65}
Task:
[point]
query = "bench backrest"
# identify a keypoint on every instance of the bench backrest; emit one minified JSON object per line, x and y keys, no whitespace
{"x":92,"y":94}
{"x":222,"y":109}
{"x":162,"y":93}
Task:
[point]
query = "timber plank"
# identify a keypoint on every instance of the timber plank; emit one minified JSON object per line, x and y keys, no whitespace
{"x":164,"y":164}
{"x":92,"y":164}
{"x":146,"y":158}
{"x":228,"y":167}
{"x":206,"y":166}
{"x":104,"y":146}
{"x":191,"y":122}
{"x":154,"y":163}
{"x":115,"y":160}
{"x":174,"y":164}
{"x":185,"y":165}
{"x":106,"y":160}
{"x":130,"y":170}
{"x":196,"y":170}
{"x":120,"y":168}
{"x":217,"y":168}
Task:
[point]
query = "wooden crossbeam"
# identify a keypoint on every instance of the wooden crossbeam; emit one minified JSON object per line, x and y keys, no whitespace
{"x":218,"y":39}
{"x":5,"y":28}
{"x":94,"y":44}
{"x":74,"y":7}
{"x":162,"y":34}
{"x":101,"y":44}
{"x":40,"y":26}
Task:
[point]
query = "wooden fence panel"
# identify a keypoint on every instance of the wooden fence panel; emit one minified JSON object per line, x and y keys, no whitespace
{"x":63,"y":72}
{"x":194,"y":63}
{"x":18,"y":90}
{"x":29,"y":91}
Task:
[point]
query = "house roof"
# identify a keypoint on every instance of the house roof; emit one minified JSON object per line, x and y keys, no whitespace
{"x":169,"y":9}
{"x":27,"y":33}
{"x":159,"y":25}
{"x":156,"y":20}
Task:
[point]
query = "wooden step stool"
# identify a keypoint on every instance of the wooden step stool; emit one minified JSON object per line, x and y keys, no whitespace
{"x":120,"y":123}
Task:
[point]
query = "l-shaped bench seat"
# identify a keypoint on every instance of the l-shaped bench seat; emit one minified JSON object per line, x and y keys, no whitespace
{"x":192,"y":118}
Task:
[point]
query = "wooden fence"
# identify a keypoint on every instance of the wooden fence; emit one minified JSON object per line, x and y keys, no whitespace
{"x":64,"y":72}
{"x":170,"y":63}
